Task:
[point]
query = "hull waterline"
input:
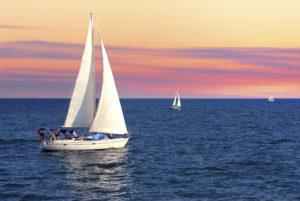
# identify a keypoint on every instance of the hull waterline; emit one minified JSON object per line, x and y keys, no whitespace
{"x":63,"y":145}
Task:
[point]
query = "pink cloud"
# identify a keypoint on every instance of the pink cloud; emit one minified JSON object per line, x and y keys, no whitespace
{"x":202,"y":72}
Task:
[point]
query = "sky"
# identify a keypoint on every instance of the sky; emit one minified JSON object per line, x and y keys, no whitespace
{"x":200,"y":48}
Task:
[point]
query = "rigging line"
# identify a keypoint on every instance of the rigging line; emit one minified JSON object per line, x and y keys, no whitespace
{"x":98,"y":30}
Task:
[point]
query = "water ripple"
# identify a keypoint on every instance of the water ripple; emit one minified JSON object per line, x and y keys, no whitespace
{"x":210,"y":150}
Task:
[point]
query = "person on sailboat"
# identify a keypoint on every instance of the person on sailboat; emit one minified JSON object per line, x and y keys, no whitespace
{"x":41,"y":137}
{"x":56,"y":135}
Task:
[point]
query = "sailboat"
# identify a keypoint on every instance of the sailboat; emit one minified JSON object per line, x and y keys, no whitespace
{"x":271,"y":98}
{"x":176,"y":103}
{"x":107,"y":127}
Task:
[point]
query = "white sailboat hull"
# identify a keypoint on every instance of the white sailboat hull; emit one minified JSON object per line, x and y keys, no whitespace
{"x":62,"y":145}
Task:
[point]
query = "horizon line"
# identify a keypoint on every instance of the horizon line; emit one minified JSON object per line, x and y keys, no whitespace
{"x":155,"y":98}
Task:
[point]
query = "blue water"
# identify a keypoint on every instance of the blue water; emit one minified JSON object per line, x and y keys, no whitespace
{"x":210,"y":150}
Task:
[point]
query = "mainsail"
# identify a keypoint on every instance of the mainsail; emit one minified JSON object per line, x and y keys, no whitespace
{"x":109,"y":116}
{"x":82,"y":106}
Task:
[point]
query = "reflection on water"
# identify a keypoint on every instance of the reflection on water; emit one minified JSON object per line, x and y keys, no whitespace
{"x":96,"y":174}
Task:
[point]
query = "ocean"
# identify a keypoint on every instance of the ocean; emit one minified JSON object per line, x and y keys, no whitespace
{"x":213,"y":149}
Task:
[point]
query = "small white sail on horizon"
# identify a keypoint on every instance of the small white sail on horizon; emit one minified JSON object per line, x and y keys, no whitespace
{"x":176,"y":103}
{"x":271,"y":98}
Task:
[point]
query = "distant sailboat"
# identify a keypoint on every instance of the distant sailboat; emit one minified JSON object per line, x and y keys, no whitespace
{"x":176,"y":103}
{"x":271,"y":98}
{"x":104,"y":123}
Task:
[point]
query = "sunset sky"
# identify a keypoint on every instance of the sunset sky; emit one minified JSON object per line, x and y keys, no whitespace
{"x":200,"y":48}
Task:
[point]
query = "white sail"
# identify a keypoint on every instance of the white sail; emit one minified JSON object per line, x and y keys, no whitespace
{"x":82,"y":106}
{"x":178,"y":101}
{"x":174,"y":102}
{"x":271,"y":98}
{"x":109,"y":116}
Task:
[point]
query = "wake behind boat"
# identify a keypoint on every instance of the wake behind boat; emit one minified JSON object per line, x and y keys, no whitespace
{"x":176,"y":103}
{"x":107,"y":128}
